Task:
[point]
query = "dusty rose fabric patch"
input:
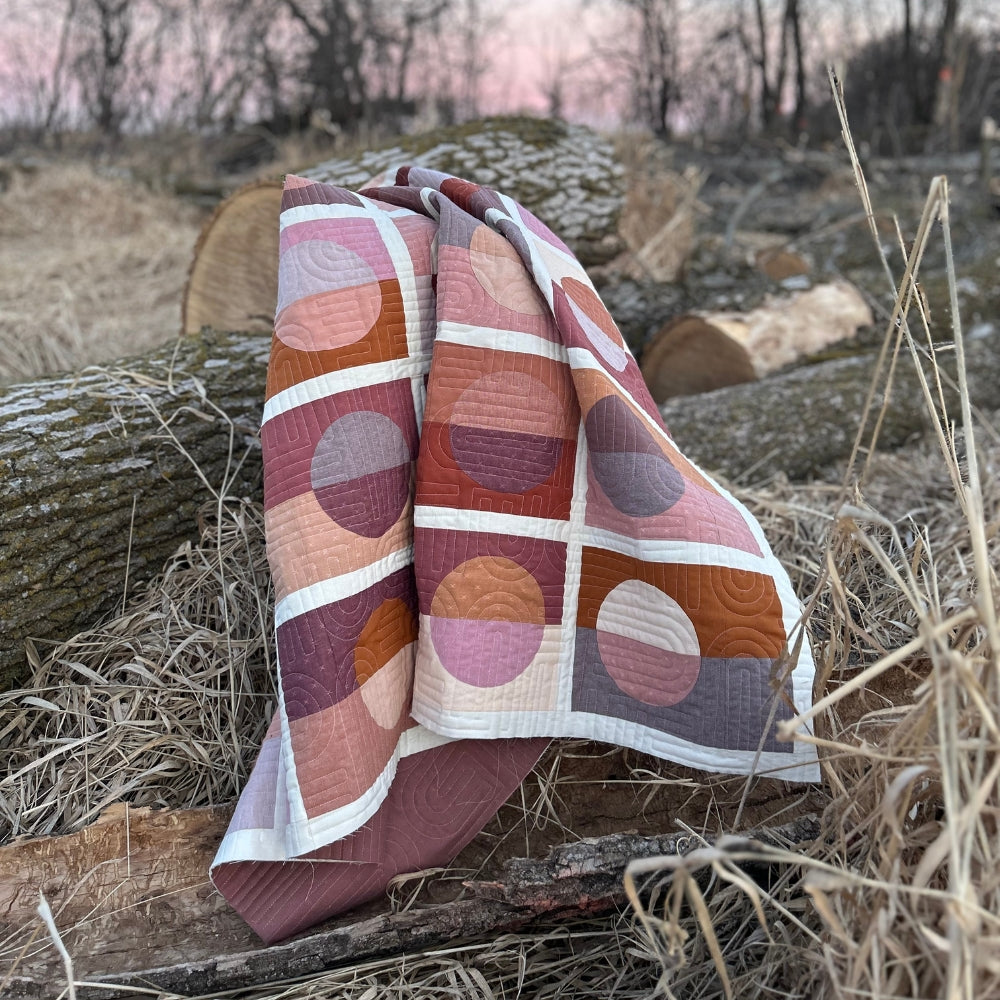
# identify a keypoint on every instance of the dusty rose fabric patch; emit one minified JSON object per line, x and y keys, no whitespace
{"x":480,"y":531}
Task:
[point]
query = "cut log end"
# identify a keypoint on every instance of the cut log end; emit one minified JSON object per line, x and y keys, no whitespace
{"x":698,"y":352}
{"x":779,"y":265}
{"x":233,"y":282}
{"x":691,"y":355}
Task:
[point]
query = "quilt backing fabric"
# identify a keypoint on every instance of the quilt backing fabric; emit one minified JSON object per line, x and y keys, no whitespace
{"x":481,"y":536}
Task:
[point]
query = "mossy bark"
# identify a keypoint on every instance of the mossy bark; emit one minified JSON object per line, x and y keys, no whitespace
{"x":102,"y":473}
{"x":567,"y":175}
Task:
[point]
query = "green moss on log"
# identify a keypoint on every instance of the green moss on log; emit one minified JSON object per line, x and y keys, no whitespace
{"x":108,"y":468}
{"x":567,"y":175}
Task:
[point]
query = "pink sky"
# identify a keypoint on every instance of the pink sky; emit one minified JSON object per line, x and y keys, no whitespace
{"x":535,"y":39}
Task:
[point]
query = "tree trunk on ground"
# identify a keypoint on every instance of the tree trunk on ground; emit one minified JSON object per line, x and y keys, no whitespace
{"x":102,"y":473}
{"x":94,"y":487}
{"x":567,"y":175}
{"x":700,"y":351}
{"x":137,"y":878}
{"x":804,"y":420}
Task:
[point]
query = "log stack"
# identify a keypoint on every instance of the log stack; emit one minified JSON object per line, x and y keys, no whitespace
{"x":102,"y":473}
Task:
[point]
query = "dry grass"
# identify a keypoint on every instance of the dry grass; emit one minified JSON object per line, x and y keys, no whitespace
{"x":164,"y":705}
{"x":91,"y":268}
{"x":901,"y":895}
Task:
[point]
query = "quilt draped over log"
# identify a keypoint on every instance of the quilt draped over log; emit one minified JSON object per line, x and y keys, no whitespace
{"x":481,"y":536}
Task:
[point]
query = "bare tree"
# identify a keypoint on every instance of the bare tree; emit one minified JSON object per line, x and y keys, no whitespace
{"x":654,"y":62}
{"x":113,"y":51}
{"x":59,"y":67}
{"x":773,"y":76}
{"x":793,"y":27}
{"x":359,"y":53}
{"x":945,"y":118}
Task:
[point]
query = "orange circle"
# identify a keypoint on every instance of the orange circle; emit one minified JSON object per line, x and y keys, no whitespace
{"x":490,"y":588}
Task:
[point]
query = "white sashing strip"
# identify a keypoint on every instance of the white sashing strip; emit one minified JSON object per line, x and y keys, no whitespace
{"x":419,"y":738}
{"x":491,"y":522}
{"x":678,"y":551}
{"x":539,"y":271}
{"x":331,"y":383}
{"x":339,"y":587}
{"x":571,"y":587}
{"x":313,"y":213}
{"x":286,"y":762}
{"x":403,"y":264}
{"x":328,"y":827}
{"x":286,"y":842}
{"x":501,"y":340}
{"x":418,"y":389}
{"x":531,"y":236}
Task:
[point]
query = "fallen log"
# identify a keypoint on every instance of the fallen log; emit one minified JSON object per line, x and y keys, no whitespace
{"x":567,"y":175}
{"x":802,"y":421}
{"x":233,"y":280}
{"x":102,"y":473}
{"x":700,"y":351}
{"x":134,"y":887}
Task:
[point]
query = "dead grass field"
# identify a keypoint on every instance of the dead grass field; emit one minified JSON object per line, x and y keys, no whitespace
{"x":91,"y":268}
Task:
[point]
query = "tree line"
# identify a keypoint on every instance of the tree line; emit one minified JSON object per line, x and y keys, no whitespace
{"x":917,"y":72}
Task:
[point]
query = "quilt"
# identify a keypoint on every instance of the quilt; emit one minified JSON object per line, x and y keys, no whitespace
{"x":481,"y":536}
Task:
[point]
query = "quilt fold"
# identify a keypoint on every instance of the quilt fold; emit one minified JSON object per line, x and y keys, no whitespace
{"x":481,"y":536}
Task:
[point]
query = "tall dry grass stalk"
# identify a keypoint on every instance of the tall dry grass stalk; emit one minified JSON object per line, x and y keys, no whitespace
{"x":900,"y":896}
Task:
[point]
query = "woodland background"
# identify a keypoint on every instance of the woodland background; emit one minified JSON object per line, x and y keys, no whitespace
{"x":919,"y":74}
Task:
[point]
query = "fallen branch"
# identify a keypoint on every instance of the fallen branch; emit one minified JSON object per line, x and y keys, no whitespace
{"x":575,"y":879}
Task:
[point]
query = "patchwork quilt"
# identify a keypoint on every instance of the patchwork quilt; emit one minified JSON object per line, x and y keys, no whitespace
{"x":481,"y":536}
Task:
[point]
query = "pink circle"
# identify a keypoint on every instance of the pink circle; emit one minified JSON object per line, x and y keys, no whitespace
{"x":653,"y":656}
{"x":485,"y":653}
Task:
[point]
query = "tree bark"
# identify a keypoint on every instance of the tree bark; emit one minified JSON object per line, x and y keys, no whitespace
{"x":148,"y":864}
{"x":801,"y":102}
{"x":102,"y":473}
{"x":802,"y":421}
{"x":567,"y":175}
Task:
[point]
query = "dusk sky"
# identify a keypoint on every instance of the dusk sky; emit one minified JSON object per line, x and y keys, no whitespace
{"x":532,"y":43}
